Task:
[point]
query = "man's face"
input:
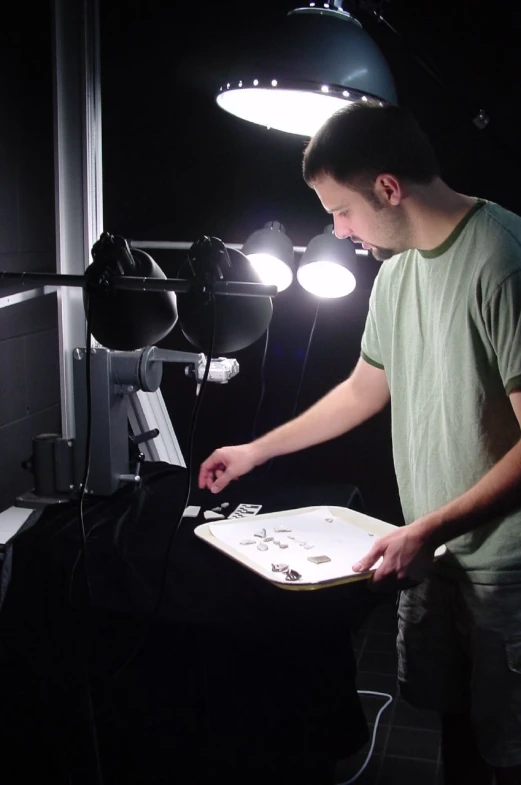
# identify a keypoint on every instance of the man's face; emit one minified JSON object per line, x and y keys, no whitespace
{"x":378,"y":226}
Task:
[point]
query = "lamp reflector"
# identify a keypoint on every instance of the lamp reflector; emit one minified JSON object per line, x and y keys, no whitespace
{"x":327,"y":264}
{"x":270,"y":252}
{"x":293,"y":111}
{"x":271,"y":270}
{"x":326,"y":279}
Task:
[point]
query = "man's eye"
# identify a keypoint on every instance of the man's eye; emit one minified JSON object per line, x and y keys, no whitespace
{"x":343,"y":213}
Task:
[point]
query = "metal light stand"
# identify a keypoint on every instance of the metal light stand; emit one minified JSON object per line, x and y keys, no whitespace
{"x":58,"y":462}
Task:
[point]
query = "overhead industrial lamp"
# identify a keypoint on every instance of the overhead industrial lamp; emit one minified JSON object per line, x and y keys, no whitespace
{"x":270,"y":252}
{"x":320,"y":59}
{"x":326,"y":266}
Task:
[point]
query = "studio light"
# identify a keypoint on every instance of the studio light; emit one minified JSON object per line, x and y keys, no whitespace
{"x":235,"y":322}
{"x":270,"y":252}
{"x":125,"y":320}
{"x":326,"y":266}
{"x":320,"y":59}
{"x":134,"y":313}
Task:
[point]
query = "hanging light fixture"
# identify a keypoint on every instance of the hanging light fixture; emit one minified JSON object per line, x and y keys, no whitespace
{"x":270,"y":252}
{"x":319,"y":60}
{"x":326,"y":266}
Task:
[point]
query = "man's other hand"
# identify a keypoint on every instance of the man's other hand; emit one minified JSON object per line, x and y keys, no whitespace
{"x":406,"y":555}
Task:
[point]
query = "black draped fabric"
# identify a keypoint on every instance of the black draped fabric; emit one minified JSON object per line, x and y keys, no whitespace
{"x":233,"y":680}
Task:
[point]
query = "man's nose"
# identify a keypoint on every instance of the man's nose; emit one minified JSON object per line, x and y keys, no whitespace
{"x":341,"y":227}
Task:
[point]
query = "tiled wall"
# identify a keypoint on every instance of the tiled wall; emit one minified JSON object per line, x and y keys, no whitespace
{"x":29,"y":364}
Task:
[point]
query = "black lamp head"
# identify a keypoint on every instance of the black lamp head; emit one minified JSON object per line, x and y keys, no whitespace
{"x":270,"y":251}
{"x":239,"y":320}
{"x":120,"y":319}
{"x":327,"y":267}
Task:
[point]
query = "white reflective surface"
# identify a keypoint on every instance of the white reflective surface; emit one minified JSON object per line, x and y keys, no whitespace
{"x":326,"y":279}
{"x":271,"y":270}
{"x":293,"y":111}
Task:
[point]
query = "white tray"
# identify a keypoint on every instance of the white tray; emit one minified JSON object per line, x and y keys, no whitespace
{"x":358,"y":525}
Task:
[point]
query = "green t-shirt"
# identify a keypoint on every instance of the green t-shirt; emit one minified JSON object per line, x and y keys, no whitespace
{"x":445,"y":325}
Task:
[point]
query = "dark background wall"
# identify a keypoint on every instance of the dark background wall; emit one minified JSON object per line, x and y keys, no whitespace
{"x":29,"y":376}
{"x":176,"y":167}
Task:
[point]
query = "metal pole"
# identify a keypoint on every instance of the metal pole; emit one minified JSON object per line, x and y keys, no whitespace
{"x":78,"y":191}
{"x":178,"y":245}
{"x":135,"y":283}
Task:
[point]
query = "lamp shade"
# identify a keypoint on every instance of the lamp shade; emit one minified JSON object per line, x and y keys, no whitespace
{"x":319,"y":60}
{"x":327,"y":264}
{"x":270,"y":252}
{"x":239,"y":321}
{"x":120,"y":319}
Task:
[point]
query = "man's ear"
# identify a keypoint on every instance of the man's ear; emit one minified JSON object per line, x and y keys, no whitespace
{"x":389,"y":189}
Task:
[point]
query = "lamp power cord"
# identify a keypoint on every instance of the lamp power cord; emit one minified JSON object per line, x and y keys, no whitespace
{"x":200,"y":390}
{"x":375,"y":729}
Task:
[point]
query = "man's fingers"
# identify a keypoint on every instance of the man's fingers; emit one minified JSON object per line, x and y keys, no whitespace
{"x":206,"y":478}
{"x":390,"y":583}
{"x":206,"y":472}
{"x":222,"y":478}
{"x":370,"y":559}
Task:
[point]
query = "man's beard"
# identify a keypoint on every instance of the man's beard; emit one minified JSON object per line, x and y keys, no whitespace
{"x":381,"y":254}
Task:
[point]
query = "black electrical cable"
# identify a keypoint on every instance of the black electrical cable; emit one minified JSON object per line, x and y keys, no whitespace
{"x":88,"y":442}
{"x":302,"y":373}
{"x":304,"y":364}
{"x":189,"y":457}
{"x":191,"y":438}
{"x":263,"y":385}
{"x":82,"y":553}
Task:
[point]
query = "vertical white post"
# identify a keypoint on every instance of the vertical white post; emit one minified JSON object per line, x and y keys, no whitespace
{"x":78,"y":171}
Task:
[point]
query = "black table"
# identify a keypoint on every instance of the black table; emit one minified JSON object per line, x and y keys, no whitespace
{"x":234,"y":680}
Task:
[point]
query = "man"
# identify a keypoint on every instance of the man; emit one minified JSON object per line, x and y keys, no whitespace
{"x":442,"y":342}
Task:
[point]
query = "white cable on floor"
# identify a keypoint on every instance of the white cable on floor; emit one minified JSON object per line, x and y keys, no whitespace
{"x":373,"y":740}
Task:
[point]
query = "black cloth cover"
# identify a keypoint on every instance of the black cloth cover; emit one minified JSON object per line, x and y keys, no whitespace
{"x":233,"y":680}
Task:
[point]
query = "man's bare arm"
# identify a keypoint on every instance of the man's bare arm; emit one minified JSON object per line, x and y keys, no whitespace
{"x":352,"y":402}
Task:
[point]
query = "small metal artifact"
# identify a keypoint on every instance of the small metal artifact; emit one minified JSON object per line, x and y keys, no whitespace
{"x":279,"y":567}
{"x":318,"y":559}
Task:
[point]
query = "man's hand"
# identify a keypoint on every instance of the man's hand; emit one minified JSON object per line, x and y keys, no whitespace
{"x":226,"y":464}
{"x":407,"y":555}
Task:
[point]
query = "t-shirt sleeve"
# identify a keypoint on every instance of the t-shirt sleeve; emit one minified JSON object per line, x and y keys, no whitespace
{"x":502,"y":317}
{"x":371,"y":350}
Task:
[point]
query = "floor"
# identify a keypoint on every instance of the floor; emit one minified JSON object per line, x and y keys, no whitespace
{"x":407,"y":748}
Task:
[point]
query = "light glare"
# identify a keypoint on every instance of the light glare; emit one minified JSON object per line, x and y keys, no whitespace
{"x":292,"y":111}
{"x":271,"y":271}
{"x":326,"y":279}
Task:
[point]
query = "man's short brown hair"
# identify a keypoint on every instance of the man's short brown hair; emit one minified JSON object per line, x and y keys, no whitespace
{"x":363,"y":140}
